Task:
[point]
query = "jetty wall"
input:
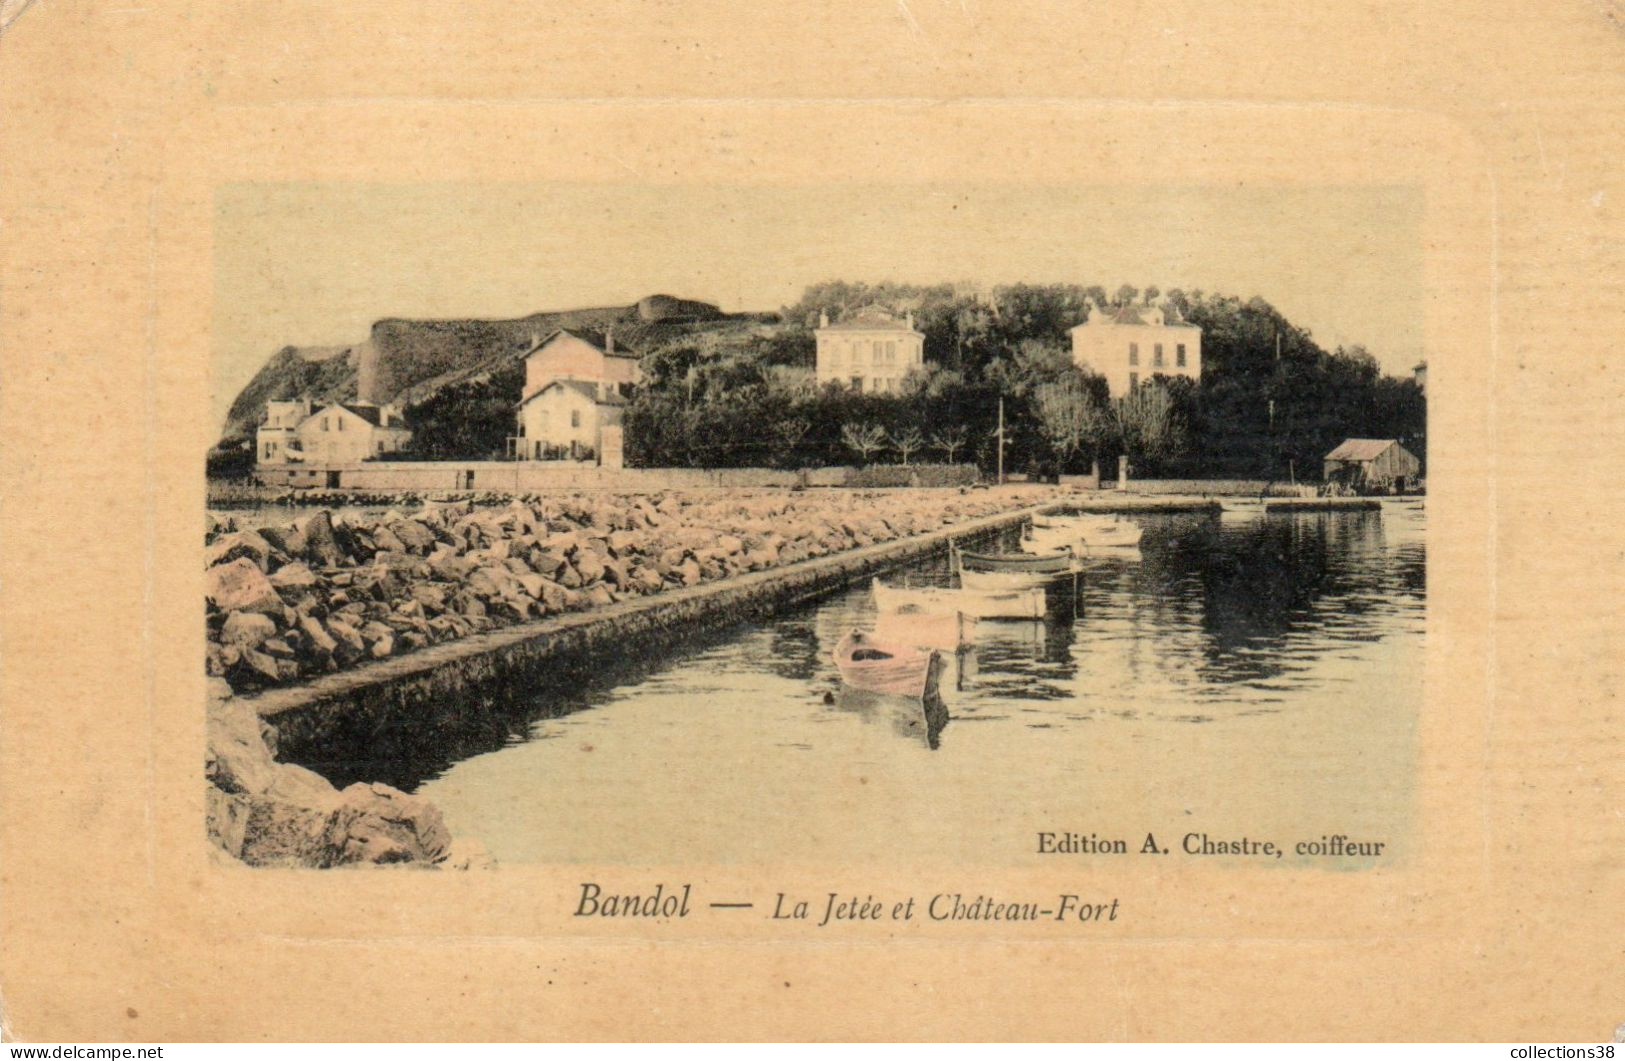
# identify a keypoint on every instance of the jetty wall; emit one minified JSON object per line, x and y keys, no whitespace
{"x":489,"y":675}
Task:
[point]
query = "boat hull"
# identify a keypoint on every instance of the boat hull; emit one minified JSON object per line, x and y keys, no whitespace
{"x":1005,"y":582}
{"x":927,"y":630}
{"x":1058,"y":563}
{"x":878,"y":666}
{"x":1019,"y":603}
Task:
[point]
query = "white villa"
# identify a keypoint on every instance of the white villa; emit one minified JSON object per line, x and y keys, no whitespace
{"x":1127,"y":344}
{"x":297,"y":432}
{"x":870,"y":349}
{"x":576,"y":385}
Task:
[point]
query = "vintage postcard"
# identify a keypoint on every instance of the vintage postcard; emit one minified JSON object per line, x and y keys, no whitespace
{"x":823,"y":549}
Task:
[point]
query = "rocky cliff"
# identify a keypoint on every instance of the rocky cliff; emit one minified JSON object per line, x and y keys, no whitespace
{"x":406,"y":361}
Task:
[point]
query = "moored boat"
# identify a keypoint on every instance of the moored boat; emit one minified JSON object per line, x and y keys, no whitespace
{"x":951,"y":631}
{"x":1083,"y":536}
{"x":1005,"y":582}
{"x":866,"y":662}
{"x":1024,"y":602}
{"x":1060,"y":562}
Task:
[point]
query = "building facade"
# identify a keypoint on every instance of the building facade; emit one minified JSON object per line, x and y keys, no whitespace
{"x":565,"y":420}
{"x":871,"y":350}
{"x":1130,"y":344}
{"x":347,"y":432}
{"x":277,"y":439}
{"x":298,"y":432}
{"x":576,"y":385}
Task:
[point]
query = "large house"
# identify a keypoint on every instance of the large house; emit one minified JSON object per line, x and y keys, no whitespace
{"x":576,"y":385}
{"x":1130,"y":343}
{"x":298,"y":432}
{"x":870,"y":349}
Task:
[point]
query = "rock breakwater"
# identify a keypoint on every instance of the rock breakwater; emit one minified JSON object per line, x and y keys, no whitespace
{"x":320,"y":594}
{"x":268,"y":813}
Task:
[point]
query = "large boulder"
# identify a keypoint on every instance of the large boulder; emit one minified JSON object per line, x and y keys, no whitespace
{"x":321,"y":544}
{"x":237,"y":759}
{"x":226,"y":819}
{"x":379,"y":824}
{"x":286,"y":539}
{"x":246,"y":544}
{"x":296,"y":575}
{"x":247,"y":629}
{"x":414,"y":535}
{"x":240,"y":586}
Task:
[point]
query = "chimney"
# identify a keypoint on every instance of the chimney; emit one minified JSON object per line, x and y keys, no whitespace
{"x":609,"y":339}
{"x":910,"y":320}
{"x":823,"y":318}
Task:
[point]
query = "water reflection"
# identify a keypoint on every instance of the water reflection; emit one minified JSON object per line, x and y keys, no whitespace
{"x":1265,"y":671}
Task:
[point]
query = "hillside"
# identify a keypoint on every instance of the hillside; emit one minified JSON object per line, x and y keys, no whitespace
{"x":408,"y":361}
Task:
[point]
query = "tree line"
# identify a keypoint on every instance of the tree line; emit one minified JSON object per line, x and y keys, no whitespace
{"x":1270,"y":402}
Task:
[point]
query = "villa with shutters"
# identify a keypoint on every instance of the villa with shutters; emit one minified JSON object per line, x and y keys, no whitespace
{"x":1131,"y":343}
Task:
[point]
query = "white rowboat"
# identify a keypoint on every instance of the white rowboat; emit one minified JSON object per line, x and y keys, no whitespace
{"x":1025,"y":602}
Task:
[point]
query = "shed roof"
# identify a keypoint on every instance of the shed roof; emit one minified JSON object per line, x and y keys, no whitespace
{"x":1361,"y":449}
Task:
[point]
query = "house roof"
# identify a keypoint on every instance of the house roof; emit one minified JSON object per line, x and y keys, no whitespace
{"x":1360,"y":449}
{"x":1135,"y":313}
{"x":586,"y":390}
{"x":592,"y":337}
{"x":370,"y":413}
{"x":367,"y":411}
{"x":868,"y":319}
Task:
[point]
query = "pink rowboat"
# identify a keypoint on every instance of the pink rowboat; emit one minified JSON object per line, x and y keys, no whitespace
{"x":886,"y":666}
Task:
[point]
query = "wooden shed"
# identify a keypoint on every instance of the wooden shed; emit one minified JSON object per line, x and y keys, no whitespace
{"x":1372,"y":464}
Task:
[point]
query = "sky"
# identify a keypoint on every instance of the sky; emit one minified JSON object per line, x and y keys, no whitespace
{"x":316,"y":264}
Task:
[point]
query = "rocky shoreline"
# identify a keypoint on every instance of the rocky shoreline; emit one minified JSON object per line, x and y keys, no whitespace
{"x":269,"y":813}
{"x":287,"y":604}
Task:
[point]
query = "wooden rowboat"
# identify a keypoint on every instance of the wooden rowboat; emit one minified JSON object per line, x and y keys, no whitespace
{"x":1083,"y":538}
{"x":1025,"y":602}
{"x":1075,"y":519}
{"x":1056,"y":563}
{"x":886,"y":666}
{"x":1005,"y":582}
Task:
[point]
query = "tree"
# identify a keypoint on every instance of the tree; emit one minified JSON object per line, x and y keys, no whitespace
{"x":950,"y":441}
{"x":1147,"y":427}
{"x":787,"y":436}
{"x":908,"y":441}
{"x":1127,"y":294}
{"x":864,"y":439}
{"x":1070,"y":419}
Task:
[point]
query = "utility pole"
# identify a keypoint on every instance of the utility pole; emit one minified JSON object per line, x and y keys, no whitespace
{"x":1001,"y":440}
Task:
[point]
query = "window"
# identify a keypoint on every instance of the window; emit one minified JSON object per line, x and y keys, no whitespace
{"x":575,"y":417}
{"x":1133,"y":380}
{"x":1134,"y":353}
{"x":380,"y":445}
{"x":324,"y":423}
{"x":1156,"y":356}
{"x":1179,"y":355}
{"x":857,"y":383}
{"x":340,"y":419}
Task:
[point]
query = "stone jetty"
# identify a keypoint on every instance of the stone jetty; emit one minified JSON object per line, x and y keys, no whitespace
{"x":292,"y":602}
{"x":291,"y":606}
